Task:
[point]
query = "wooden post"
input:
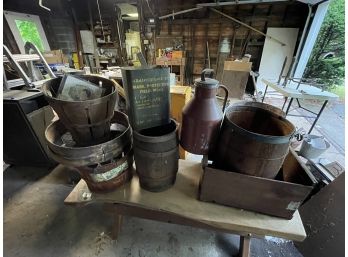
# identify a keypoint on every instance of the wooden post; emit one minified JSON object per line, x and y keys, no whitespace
{"x":244,"y":246}
{"x":78,"y":37}
{"x":117,"y":219}
{"x":96,"y":55}
{"x":117,"y":224}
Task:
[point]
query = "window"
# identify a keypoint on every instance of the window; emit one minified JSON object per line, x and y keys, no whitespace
{"x":27,"y":27}
{"x":29,"y":33}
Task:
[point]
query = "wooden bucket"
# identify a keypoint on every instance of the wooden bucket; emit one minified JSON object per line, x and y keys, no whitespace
{"x":156,"y":156}
{"x":253,"y":141}
{"x":87,"y":121}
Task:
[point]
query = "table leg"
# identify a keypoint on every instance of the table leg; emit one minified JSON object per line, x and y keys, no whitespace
{"x":264,"y":95}
{"x":318,"y":116}
{"x":182,"y":70}
{"x":117,"y":224}
{"x":244,"y":246}
{"x":286,"y":99}
{"x":288,"y":108}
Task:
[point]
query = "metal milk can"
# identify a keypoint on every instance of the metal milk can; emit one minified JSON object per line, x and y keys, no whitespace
{"x":202,"y":116}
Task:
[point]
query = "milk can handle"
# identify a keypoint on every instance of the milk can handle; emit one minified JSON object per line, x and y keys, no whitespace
{"x":226,"y":96}
{"x":207,"y":71}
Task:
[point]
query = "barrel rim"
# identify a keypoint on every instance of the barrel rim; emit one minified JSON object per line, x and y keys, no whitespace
{"x":157,"y":139}
{"x":256,"y":136}
{"x":84,"y":102}
{"x":272,"y":108}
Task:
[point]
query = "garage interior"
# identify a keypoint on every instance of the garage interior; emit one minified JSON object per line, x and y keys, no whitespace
{"x":170,"y":128}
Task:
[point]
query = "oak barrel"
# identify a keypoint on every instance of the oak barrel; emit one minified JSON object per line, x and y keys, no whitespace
{"x":156,"y":156}
{"x":253,"y":141}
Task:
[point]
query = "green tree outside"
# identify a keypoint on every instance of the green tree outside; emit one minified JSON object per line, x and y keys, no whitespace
{"x":327,"y":58}
{"x":29,"y":32}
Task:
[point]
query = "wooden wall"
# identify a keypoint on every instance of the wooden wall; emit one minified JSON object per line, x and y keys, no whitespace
{"x":202,"y":26}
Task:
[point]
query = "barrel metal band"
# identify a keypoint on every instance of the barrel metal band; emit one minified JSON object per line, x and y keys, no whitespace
{"x":259,"y":137}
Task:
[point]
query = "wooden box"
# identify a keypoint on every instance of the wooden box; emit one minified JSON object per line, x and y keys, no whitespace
{"x":279,"y":197}
{"x":179,"y":97}
{"x":235,"y":77}
{"x":237,"y":66}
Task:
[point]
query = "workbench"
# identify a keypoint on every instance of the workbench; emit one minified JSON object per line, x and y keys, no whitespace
{"x":305,"y":92}
{"x":179,"y":205}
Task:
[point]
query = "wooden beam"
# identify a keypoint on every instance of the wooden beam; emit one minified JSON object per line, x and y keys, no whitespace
{"x":246,"y":25}
{"x":227,"y":21}
{"x":180,"y":12}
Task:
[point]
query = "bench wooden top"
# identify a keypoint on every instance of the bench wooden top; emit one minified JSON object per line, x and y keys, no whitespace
{"x":304,"y":91}
{"x":181,"y":199}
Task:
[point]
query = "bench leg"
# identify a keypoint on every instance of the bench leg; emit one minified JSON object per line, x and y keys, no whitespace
{"x":244,"y":246}
{"x":117,"y":224}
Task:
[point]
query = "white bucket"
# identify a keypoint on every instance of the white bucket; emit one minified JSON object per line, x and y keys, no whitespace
{"x":313,"y":146}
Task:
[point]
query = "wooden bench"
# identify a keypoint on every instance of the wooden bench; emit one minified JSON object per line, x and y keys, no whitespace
{"x":179,"y":205}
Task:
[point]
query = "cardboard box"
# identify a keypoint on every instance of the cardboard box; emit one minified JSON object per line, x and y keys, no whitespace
{"x":177,"y":54}
{"x":276,"y":197}
{"x":55,"y":56}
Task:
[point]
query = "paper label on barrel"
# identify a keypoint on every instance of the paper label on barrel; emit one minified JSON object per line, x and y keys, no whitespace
{"x":110,"y":174}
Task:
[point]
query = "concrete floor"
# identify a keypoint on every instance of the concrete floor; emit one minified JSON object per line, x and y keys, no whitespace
{"x":330,"y":124}
{"x":37,"y":223}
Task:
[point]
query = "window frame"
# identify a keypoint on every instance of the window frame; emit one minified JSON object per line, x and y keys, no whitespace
{"x":11,"y":18}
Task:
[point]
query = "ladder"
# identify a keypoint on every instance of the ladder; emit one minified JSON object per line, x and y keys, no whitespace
{"x":14,"y":59}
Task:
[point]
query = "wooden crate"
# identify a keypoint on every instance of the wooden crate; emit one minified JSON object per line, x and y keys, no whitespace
{"x":277,"y":197}
{"x":179,"y":97}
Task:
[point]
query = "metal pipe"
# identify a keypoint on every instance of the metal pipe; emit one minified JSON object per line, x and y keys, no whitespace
{"x":238,"y":3}
{"x":281,"y":72}
{"x":318,"y":116}
{"x":299,"y":49}
{"x":40,"y":4}
{"x":180,"y":12}
{"x":287,"y":77}
{"x":246,"y":25}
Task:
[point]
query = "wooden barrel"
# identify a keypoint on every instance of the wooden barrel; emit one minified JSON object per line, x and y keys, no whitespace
{"x":264,"y":106}
{"x":253,"y":141}
{"x":156,"y":156}
{"x":88,"y":121}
